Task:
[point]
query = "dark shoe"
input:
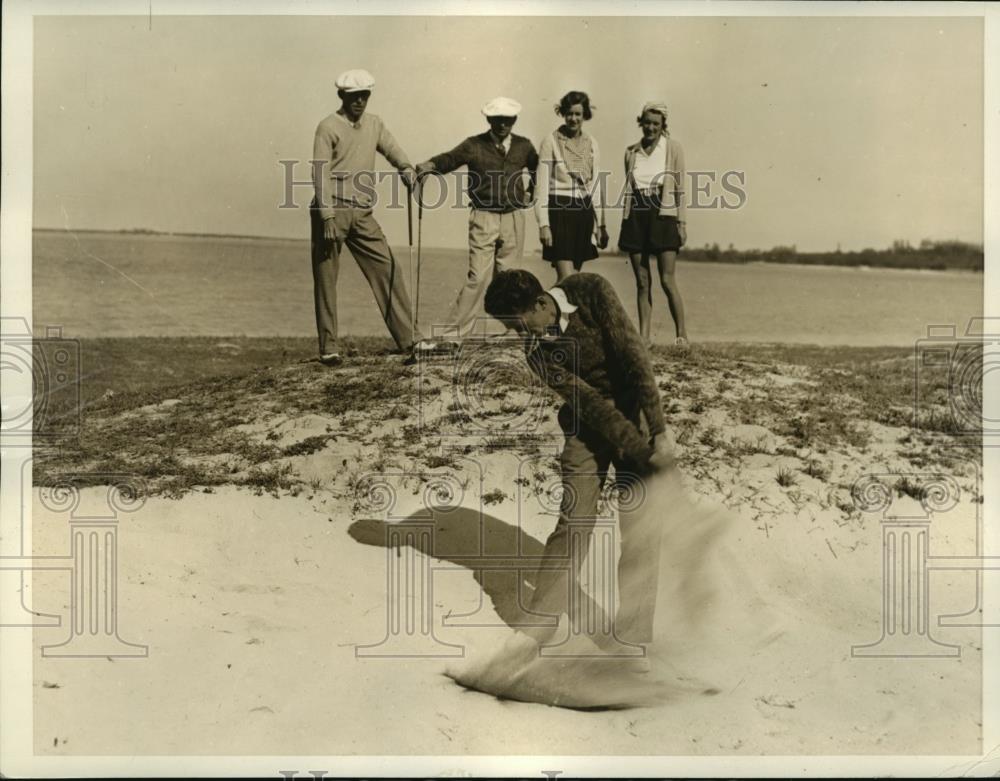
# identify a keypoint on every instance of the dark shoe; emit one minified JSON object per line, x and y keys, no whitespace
{"x":419,"y":350}
{"x":331,"y":359}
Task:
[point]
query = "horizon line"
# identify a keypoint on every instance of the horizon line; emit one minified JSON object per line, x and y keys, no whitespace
{"x":193,"y":234}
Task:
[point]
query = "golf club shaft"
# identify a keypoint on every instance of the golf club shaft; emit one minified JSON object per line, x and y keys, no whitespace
{"x":409,"y":235}
{"x":420,"y":226}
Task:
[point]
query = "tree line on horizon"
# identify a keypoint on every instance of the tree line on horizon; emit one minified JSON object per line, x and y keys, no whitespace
{"x":942,"y":255}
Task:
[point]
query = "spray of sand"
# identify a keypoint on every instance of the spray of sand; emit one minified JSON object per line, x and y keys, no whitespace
{"x":710,"y":621}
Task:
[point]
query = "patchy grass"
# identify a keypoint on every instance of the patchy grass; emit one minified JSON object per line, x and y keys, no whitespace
{"x":496,"y":496}
{"x":399,"y":412}
{"x":841,"y":389}
{"x":308,"y":446}
{"x":458,"y":417}
{"x":435,"y":461}
{"x":178,"y":437}
{"x":810,"y":426}
{"x":128,"y":373}
{"x":816,"y":470}
{"x":271,"y":479}
{"x":710,"y":438}
{"x":177,"y":412}
{"x":501,"y":442}
{"x":786,"y":477}
{"x":411,"y":435}
{"x":378,"y":384}
{"x":906,"y":487}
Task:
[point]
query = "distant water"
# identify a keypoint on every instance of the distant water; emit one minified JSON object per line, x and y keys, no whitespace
{"x":128,"y":285}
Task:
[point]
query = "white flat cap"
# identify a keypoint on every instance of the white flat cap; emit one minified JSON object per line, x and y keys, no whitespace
{"x":355,"y":81}
{"x":502,"y":107}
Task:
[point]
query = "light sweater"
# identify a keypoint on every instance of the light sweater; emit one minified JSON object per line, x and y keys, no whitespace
{"x":346,"y":151}
{"x":672,"y":200}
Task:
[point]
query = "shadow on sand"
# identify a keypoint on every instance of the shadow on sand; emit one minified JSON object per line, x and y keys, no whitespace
{"x":503,"y":558}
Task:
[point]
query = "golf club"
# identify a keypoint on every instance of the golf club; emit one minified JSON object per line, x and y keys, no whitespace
{"x":409,"y":237}
{"x":420,"y":226}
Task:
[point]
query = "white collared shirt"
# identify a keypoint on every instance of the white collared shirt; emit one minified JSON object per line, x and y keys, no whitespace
{"x":565,"y":310}
{"x":648,"y":168}
{"x":505,"y":143}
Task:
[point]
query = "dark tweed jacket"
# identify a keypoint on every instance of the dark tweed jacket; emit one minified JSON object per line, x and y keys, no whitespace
{"x":495,"y":180}
{"x":607,"y":381}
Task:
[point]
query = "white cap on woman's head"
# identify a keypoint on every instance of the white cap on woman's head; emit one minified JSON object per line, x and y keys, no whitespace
{"x":355,"y":81}
{"x":502,"y":107}
{"x":659,"y":106}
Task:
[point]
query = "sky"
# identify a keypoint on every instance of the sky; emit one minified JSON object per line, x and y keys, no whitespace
{"x":850,"y":132}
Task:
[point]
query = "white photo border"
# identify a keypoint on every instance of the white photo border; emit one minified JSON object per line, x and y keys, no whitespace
{"x":16,"y":743}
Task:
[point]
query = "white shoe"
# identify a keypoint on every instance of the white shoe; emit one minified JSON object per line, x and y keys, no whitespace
{"x":426,"y":347}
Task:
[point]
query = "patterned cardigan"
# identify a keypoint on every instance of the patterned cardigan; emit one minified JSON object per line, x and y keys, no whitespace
{"x":607,"y":380}
{"x":554,"y":178}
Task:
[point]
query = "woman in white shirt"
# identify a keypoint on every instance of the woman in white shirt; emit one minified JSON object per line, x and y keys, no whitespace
{"x":654,"y":222}
{"x":569,"y":201}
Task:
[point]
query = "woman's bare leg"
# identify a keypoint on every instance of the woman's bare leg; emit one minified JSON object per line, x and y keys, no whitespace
{"x":643,"y":291}
{"x":564,"y":268}
{"x":667,"y":262}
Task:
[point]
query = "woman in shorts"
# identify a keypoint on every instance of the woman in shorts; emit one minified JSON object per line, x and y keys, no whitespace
{"x":569,"y":200}
{"x":654,"y":216}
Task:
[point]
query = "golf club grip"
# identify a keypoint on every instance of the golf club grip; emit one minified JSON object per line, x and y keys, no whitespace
{"x":409,"y":217}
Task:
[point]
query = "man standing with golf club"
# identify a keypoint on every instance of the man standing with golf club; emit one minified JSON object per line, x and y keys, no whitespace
{"x":341,"y":213}
{"x":497,"y":161}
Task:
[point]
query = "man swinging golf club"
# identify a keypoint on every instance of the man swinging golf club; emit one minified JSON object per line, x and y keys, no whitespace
{"x":341,"y":213}
{"x":613,"y":415}
{"x":497,"y":161}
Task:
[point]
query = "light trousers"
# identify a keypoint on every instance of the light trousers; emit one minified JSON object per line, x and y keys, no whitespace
{"x":494,"y":240}
{"x":357,"y":229}
{"x":584,"y":463}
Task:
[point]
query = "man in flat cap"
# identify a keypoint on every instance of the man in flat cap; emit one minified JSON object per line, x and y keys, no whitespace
{"x":497,"y":161}
{"x":341,"y":213}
